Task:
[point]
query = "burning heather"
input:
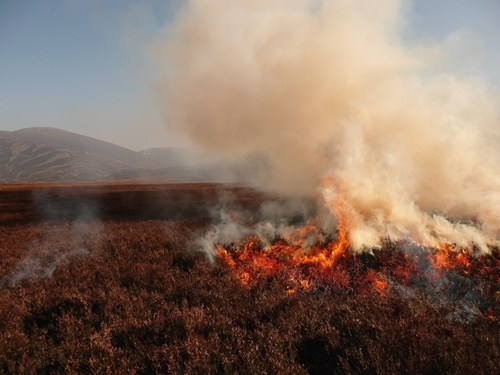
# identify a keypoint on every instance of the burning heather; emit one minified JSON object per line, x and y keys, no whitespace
{"x":337,"y":101}
{"x":308,"y":258}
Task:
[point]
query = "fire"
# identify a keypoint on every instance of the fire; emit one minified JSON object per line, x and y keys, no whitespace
{"x":331,"y":265}
{"x":379,"y":284}
{"x":301,"y":266}
{"x":300,"y":269}
{"x":447,"y":257}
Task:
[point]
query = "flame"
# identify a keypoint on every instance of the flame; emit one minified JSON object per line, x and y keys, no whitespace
{"x":301,"y":267}
{"x":298,"y":264}
{"x":447,"y":257}
{"x":379,"y":284}
{"x":442,"y":258}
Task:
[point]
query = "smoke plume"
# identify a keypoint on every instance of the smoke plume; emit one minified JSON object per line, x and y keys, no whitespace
{"x":335,"y":98}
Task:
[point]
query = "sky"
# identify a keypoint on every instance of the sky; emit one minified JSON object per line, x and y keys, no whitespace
{"x":82,"y":65}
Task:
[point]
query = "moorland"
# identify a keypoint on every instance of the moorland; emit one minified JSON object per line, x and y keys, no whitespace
{"x":107,"y":279}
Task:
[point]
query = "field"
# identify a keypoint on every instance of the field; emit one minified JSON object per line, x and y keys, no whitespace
{"x":106,"y":279}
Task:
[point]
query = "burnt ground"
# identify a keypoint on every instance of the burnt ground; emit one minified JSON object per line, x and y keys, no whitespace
{"x":106,"y":279}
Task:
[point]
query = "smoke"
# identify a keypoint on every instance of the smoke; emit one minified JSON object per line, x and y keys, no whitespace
{"x":276,"y":219}
{"x":46,"y":255}
{"x":331,"y":94}
{"x":58,"y":242}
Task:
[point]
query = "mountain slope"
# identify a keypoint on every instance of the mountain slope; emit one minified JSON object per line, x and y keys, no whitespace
{"x":81,"y":144}
{"x":54,"y":155}
{"x":23,"y":159}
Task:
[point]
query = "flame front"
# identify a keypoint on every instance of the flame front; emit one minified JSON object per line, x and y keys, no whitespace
{"x":300,"y":267}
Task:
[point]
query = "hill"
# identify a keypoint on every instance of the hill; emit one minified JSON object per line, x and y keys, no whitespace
{"x":53,"y":155}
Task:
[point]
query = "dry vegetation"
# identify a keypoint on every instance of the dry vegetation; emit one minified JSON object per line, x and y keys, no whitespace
{"x":117,"y":289}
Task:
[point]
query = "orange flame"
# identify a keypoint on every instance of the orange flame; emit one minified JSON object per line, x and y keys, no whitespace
{"x":448,"y":257}
{"x":303,"y":267}
{"x":251,"y":261}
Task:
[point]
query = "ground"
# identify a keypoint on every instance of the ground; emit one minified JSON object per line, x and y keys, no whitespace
{"x":107,"y":279}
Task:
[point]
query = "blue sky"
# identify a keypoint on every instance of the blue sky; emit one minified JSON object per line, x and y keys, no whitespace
{"x":79,"y":65}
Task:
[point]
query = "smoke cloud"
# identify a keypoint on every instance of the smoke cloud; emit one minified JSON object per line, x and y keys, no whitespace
{"x":335,"y":99}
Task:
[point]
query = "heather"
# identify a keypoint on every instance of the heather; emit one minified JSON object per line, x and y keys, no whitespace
{"x":124,"y":295}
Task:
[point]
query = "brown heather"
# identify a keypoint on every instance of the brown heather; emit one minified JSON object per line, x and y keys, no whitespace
{"x":136,"y":299}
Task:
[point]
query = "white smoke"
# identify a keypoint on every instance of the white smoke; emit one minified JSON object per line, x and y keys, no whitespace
{"x":330,"y":89}
{"x":58,"y":243}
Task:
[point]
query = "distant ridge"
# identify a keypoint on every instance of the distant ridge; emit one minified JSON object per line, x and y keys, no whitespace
{"x":65,"y":140}
{"x":49,"y":155}
{"x":44,"y":154}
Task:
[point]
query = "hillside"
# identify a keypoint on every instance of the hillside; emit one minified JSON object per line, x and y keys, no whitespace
{"x":54,"y":155}
{"x":24,"y":158}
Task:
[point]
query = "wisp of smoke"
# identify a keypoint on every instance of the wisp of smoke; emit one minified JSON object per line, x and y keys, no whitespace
{"x":334,"y":97}
{"x":48,"y":253}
